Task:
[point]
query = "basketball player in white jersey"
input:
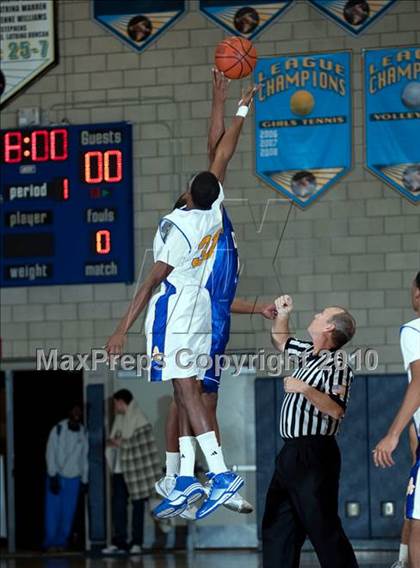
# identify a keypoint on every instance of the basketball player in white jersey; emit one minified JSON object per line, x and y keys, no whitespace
{"x":179,"y":318}
{"x":410,"y":409}
{"x":222,"y":281}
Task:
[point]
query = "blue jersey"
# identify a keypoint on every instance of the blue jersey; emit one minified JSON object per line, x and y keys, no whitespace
{"x":223,"y":279}
{"x":221,"y":284}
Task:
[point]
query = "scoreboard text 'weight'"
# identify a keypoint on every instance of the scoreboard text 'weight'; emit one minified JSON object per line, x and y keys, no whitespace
{"x":66,"y":205}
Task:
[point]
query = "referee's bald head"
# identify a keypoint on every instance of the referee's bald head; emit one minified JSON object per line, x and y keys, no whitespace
{"x":344,"y":326}
{"x":333,"y":327}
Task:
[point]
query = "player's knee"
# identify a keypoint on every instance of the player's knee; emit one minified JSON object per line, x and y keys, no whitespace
{"x":184,"y":390}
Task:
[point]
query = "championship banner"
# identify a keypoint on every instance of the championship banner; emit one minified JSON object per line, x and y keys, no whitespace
{"x":303,"y":123}
{"x":28,"y":44}
{"x":137,"y":22}
{"x":392,"y":117}
{"x":353,"y":15}
{"x":243,"y":18}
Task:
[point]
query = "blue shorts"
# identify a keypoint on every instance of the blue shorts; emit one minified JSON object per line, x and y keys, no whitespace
{"x":220,"y":338}
{"x":412,"y":509}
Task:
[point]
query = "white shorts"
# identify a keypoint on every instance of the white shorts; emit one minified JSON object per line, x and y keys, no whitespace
{"x":178,"y":331}
{"x":413,"y":491}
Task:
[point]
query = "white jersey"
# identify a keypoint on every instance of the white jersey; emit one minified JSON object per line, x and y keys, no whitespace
{"x":410,"y":348}
{"x":179,"y":315}
{"x":186,"y":239}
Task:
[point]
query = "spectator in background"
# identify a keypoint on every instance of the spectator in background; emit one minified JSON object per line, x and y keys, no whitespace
{"x":67,"y":468}
{"x":133,"y":459}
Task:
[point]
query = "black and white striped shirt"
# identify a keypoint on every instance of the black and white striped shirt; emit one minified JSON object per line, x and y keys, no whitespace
{"x":327,"y":372}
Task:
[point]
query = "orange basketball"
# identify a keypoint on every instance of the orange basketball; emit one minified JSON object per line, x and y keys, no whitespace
{"x":235,"y":57}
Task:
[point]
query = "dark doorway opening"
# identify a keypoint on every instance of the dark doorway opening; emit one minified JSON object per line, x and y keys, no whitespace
{"x":40,"y":400}
{"x":3,"y":450}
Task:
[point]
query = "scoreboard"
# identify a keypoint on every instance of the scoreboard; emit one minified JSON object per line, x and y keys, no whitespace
{"x":66,"y":205}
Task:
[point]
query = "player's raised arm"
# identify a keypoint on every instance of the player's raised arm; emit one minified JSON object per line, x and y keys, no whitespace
{"x":217,"y":117}
{"x":227,"y":145}
{"x":159,"y":272}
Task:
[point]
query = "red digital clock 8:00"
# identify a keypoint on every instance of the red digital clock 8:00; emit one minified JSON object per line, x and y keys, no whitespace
{"x":38,"y":146}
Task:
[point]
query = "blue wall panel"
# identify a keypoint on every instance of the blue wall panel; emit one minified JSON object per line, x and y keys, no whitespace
{"x":97,"y":466}
{"x":355,"y":455}
{"x":266,"y":439}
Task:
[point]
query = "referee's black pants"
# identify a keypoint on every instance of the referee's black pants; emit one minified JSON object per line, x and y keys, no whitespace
{"x":302,"y":500}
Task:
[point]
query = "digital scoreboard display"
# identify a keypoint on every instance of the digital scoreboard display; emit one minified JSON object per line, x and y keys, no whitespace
{"x":66,"y":205}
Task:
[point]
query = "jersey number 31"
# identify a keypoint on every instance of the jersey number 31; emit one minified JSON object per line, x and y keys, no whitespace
{"x":207,"y":246}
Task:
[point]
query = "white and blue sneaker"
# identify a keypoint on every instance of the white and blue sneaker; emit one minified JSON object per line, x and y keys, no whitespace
{"x":236,"y":503}
{"x":165,"y":485}
{"x":223,"y":487}
{"x":187,"y":490}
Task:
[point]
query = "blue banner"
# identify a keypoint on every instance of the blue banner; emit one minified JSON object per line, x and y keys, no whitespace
{"x":303,"y":123}
{"x":246,"y":19}
{"x":353,"y":15}
{"x":137,"y":22}
{"x":392,"y":117}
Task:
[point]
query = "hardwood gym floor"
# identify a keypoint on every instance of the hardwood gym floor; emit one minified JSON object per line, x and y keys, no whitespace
{"x":201,"y":559}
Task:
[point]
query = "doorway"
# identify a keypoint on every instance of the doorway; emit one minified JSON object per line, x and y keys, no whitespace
{"x":3,"y":451}
{"x":40,"y":400}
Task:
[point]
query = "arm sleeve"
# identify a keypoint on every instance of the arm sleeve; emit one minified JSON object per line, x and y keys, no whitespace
{"x":297,"y":347}
{"x":175,"y":248}
{"x":410,"y":345}
{"x":50,"y":454}
{"x":338,"y":385}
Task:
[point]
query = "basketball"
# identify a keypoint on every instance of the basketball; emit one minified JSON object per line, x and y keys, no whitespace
{"x":235,"y":57}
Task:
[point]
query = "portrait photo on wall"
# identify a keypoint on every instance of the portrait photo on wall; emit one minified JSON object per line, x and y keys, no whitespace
{"x":139,"y":28}
{"x":411,"y":178}
{"x":243,"y":18}
{"x":353,"y":15}
{"x":137,"y":22}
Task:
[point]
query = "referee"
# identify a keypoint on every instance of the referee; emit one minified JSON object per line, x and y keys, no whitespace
{"x":302,"y":500}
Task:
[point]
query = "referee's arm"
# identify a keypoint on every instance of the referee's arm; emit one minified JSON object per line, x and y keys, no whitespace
{"x":280,"y":330}
{"x":322,"y":401}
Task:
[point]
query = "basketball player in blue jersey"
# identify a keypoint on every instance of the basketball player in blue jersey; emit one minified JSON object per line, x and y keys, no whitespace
{"x":409,"y":409}
{"x":179,"y":318}
{"x":221,"y":284}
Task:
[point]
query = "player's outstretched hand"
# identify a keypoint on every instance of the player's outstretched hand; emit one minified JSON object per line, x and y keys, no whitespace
{"x":115,"y":344}
{"x":248,"y":95}
{"x":220,"y":85}
{"x":382,"y":454}
{"x":269,"y":311}
{"x":284,"y":305}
